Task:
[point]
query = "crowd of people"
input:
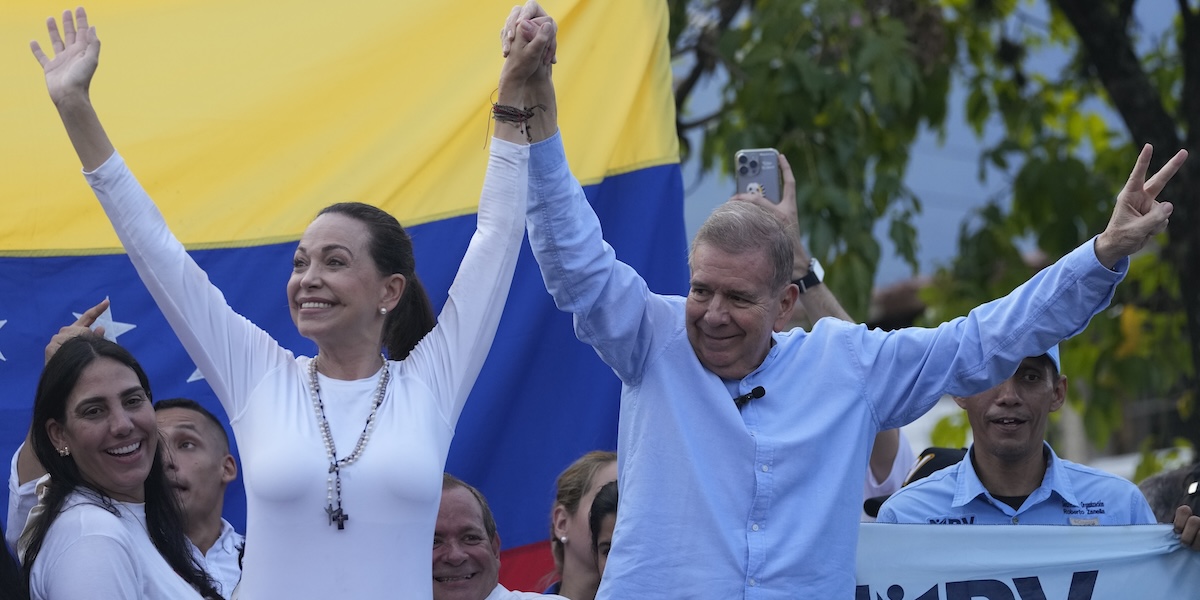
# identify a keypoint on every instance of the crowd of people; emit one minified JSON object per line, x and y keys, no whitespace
{"x":114,"y":495}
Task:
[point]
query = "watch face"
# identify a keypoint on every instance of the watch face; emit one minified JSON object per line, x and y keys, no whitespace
{"x":815,"y":266}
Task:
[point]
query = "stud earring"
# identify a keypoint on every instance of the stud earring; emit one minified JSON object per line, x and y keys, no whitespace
{"x":64,"y":451}
{"x":563,"y":540}
{"x":383,"y":310}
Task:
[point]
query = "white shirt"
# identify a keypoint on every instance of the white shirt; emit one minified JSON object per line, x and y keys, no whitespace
{"x":500,"y":593}
{"x":392,"y":492}
{"x":90,"y":553}
{"x":901,"y":465}
{"x":21,"y":499}
{"x":221,"y":562}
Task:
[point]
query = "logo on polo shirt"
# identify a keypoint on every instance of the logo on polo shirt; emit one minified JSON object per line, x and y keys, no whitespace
{"x":959,"y":520}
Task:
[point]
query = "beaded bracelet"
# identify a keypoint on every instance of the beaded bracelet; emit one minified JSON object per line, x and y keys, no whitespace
{"x":517,"y":117}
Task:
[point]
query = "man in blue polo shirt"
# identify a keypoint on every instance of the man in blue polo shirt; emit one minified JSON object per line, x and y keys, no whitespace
{"x":1010,"y":474}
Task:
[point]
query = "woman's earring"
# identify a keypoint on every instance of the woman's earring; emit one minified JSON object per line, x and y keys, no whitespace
{"x":383,"y":310}
{"x":64,"y":451}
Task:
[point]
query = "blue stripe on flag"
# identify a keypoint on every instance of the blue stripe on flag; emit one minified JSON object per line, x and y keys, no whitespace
{"x":518,"y":430}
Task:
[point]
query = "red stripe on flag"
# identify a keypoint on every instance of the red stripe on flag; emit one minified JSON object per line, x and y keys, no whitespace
{"x":528,"y":568}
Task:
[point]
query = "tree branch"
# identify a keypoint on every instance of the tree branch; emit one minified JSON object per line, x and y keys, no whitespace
{"x":706,"y":52}
{"x":1109,"y":49}
{"x":1029,"y":19}
{"x":1189,"y":45}
{"x":680,"y":51}
{"x":685,"y":125}
{"x":1125,"y":12}
{"x":683,"y":90}
{"x":1183,"y":250}
{"x":1185,"y":11}
{"x":1110,"y":52}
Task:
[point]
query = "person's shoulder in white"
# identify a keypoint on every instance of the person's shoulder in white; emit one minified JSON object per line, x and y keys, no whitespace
{"x":502,"y":593}
{"x":223,"y":561}
{"x":903,"y":459}
{"x":84,"y":522}
{"x":22,"y":497}
{"x":82,"y":515}
{"x":100,"y":542}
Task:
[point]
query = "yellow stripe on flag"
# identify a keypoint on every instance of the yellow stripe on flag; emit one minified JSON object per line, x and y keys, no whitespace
{"x":245,"y":118}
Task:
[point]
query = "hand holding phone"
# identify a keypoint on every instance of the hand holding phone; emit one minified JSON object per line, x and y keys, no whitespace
{"x":756,"y":171}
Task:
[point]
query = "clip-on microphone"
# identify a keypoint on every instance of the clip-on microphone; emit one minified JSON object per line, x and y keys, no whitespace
{"x":744,"y":399}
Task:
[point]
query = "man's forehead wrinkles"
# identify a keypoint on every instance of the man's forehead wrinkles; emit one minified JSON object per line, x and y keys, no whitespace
{"x":734,"y":281}
{"x":731,"y":280}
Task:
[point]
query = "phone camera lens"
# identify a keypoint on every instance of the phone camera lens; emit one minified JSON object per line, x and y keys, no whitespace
{"x":754,"y":164}
{"x":743,"y":170}
{"x":742,"y":159}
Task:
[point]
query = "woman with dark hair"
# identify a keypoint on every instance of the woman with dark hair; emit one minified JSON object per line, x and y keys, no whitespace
{"x":107,"y":524}
{"x":602,"y":520}
{"x":343,"y":452}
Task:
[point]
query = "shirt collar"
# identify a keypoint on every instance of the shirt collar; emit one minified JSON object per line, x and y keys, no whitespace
{"x":969,"y":487}
{"x":1056,"y":479}
{"x":228,"y":538}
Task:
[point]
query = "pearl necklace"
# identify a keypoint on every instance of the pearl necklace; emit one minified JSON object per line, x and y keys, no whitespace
{"x":334,"y":479}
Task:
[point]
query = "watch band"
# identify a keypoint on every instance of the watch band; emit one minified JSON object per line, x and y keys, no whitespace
{"x":813,"y":278}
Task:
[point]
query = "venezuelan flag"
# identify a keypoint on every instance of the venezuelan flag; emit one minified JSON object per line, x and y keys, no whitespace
{"x":243,"y":119}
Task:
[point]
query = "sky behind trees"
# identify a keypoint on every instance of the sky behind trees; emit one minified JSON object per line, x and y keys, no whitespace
{"x":944,"y":173}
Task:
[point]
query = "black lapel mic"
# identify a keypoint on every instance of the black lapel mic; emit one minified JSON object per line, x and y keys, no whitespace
{"x":744,"y":399}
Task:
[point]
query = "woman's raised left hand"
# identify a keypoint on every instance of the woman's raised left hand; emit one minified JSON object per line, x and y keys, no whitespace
{"x":76,"y":56}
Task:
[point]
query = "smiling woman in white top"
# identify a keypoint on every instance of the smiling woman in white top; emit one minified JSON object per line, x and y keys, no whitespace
{"x":107,"y":525}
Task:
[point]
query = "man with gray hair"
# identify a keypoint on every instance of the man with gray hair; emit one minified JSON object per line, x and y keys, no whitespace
{"x":746,"y":444}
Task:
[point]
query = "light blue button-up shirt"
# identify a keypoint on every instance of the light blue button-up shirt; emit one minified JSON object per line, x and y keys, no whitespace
{"x":764,"y":502}
{"x":1070,"y":494}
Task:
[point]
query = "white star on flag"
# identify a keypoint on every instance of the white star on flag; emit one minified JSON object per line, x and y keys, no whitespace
{"x":112,"y":329}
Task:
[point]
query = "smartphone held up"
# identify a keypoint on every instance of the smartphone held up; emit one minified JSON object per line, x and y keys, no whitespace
{"x":756,"y":171}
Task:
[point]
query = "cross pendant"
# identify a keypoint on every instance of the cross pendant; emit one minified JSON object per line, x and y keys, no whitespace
{"x":337,"y":514}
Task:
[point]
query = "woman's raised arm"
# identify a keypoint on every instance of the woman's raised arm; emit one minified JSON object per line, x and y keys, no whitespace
{"x":68,"y":78}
